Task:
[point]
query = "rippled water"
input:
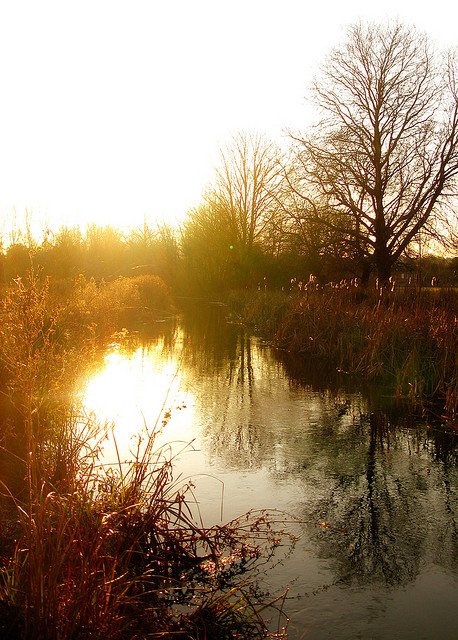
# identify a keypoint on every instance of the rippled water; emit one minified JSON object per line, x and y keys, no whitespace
{"x":376,"y":495}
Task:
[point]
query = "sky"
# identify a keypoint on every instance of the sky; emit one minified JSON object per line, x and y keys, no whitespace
{"x":114,"y":111}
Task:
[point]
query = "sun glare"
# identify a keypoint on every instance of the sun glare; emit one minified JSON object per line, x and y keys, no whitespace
{"x":129,"y":125}
{"x":138,"y":394}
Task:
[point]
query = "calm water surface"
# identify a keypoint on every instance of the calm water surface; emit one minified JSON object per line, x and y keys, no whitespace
{"x":376,"y":496}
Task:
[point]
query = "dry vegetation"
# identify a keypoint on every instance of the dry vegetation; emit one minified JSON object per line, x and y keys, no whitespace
{"x":409,"y":340}
{"x":117,"y":552}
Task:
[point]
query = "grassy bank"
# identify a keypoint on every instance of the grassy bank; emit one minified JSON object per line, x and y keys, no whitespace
{"x":116,"y":552}
{"x":409,"y":340}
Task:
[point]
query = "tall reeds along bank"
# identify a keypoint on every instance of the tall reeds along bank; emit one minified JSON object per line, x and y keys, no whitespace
{"x":409,"y":341}
{"x":115,"y":552}
{"x":107,"y":306}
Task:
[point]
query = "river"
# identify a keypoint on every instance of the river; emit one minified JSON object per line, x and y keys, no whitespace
{"x":373,"y":493}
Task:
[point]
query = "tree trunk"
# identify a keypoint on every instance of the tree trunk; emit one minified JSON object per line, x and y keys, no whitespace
{"x":383,"y":263}
{"x":365,"y":273}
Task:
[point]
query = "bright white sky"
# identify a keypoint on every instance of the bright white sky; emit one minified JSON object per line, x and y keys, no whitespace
{"x":112,"y":111}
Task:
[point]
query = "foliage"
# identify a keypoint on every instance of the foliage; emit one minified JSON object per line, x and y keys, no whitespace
{"x":153,"y":292}
{"x":153,"y":251}
{"x":41,"y":357}
{"x":102,"y":253}
{"x":225,"y":242}
{"x":208,"y":253}
{"x":265,"y":311}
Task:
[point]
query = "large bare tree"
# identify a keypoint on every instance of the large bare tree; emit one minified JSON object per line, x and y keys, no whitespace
{"x":383,"y":160}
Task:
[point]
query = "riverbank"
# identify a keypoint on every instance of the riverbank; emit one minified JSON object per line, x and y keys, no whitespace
{"x":408,"y":341}
{"x":115,"y":551}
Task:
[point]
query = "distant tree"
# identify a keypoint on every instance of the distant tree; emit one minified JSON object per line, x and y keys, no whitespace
{"x":105,"y":252}
{"x":62,"y":254}
{"x":207,"y":251}
{"x":244,"y":194}
{"x":168,"y":253}
{"x":153,"y":250}
{"x":225,"y":242}
{"x":18,"y":260}
{"x":384,"y":158}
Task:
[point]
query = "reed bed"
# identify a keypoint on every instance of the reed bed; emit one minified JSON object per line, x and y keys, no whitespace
{"x":117,"y":552}
{"x":410,"y":341}
{"x":121,"y":556}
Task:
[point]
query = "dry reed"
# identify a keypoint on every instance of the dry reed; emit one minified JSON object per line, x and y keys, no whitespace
{"x":107,"y":552}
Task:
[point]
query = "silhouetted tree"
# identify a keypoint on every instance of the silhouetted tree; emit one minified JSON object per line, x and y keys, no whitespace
{"x":327,"y":252}
{"x":18,"y":260}
{"x":62,"y":255}
{"x":105,"y":257}
{"x":154,"y":251}
{"x":385,"y":154}
{"x":208,"y":251}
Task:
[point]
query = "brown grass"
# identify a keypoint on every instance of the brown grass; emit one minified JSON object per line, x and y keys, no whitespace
{"x":112,"y":552}
{"x":410,"y":342}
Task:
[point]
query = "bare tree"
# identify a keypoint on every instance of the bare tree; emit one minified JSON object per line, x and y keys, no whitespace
{"x":331,"y":250}
{"x":383,"y":160}
{"x":244,"y":189}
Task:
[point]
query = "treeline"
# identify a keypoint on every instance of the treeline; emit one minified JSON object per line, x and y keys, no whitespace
{"x":102,"y":253}
{"x":201,"y":258}
{"x":364,"y":194}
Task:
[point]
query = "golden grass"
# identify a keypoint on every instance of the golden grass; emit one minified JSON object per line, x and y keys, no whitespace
{"x":116,"y":552}
{"x":411,"y":342}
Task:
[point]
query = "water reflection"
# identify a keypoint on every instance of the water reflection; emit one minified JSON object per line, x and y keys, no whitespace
{"x":374,"y":488}
{"x":369,"y":515}
{"x":137,"y":392}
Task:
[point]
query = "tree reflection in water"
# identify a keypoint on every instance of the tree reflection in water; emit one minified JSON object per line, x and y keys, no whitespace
{"x":378,"y":484}
{"x":372,"y":530}
{"x":373,"y":488}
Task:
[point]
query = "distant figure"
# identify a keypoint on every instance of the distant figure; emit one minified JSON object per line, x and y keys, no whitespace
{"x":434,"y":281}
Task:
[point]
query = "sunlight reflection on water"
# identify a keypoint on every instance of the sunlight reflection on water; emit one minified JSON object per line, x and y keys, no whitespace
{"x":267,"y":433}
{"x":138,"y":393}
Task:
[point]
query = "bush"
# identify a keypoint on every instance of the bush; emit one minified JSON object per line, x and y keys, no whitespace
{"x":153,"y":292}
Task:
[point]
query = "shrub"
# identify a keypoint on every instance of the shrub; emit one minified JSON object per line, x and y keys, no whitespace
{"x":153,"y":292}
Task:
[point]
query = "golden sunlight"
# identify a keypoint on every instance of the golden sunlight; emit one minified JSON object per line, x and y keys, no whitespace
{"x":135,"y":395}
{"x":129,"y":126}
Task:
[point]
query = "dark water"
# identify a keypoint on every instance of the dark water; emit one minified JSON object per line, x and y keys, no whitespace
{"x":375,"y":491}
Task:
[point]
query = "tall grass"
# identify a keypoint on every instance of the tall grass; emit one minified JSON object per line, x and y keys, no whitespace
{"x":410,"y":342}
{"x":114,"y":552}
{"x":106,"y":306}
{"x":121,"y":555}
